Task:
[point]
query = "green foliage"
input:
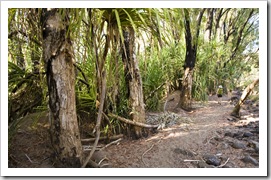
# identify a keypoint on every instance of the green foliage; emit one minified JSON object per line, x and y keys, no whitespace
{"x":161,"y":67}
{"x":224,"y":59}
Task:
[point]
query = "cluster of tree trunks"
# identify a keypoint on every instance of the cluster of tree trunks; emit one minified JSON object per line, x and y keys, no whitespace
{"x":58,"y":57}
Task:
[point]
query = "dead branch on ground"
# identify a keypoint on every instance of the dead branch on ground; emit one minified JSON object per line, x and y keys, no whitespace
{"x":103,"y":138}
{"x":113,"y":142}
{"x":132,"y":122}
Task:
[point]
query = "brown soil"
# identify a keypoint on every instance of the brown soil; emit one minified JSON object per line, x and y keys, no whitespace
{"x":205,"y":137}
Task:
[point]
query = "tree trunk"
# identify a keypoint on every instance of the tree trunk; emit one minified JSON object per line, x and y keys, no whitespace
{"x":190,"y":60}
{"x":238,"y":39}
{"x":133,"y":81}
{"x":186,"y":97}
{"x":209,"y":25}
{"x":245,"y":94}
{"x":58,"y":56}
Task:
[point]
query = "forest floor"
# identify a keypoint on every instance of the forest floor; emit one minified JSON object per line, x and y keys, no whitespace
{"x":205,"y":137}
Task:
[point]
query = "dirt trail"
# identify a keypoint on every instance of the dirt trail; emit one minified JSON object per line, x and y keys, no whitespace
{"x":206,"y":137}
{"x":186,"y":145}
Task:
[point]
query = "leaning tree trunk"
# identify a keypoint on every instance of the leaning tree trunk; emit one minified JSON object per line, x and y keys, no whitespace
{"x":58,"y":57}
{"x":245,"y":94}
{"x":133,"y":81}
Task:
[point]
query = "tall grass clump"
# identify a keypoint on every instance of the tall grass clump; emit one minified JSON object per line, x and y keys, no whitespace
{"x":160,"y":70}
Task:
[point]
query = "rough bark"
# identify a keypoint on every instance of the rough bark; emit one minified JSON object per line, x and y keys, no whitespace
{"x":245,"y":94}
{"x":190,"y":60}
{"x":209,"y":25}
{"x":186,"y":97}
{"x":58,"y":57}
{"x":133,"y":81}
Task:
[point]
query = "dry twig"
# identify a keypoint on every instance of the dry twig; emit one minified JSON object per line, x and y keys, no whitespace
{"x":88,"y":147}
{"x":30,"y":159}
{"x":208,"y":141}
{"x":103,"y":138}
{"x":113,"y":142}
{"x":222,"y":165}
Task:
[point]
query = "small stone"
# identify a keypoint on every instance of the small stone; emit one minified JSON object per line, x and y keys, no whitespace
{"x":237,"y":134}
{"x":224,"y":145}
{"x":230,"y":134}
{"x":247,"y":134}
{"x":218,"y":139}
{"x":202,"y":164}
{"x":249,"y":159}
{"x":211,"y":160}
{"x":254,"y":145}
{"x":238,"y":145}
{"x":232,"y":119}
{"x":256,"y":131}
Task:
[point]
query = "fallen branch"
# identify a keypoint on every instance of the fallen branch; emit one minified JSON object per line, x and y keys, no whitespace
{"x":132,"y":122}
{"x":89,"y":148}
{"x":113,"y":142}
{"x":103,"y":138}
